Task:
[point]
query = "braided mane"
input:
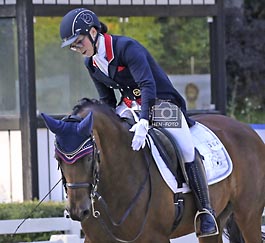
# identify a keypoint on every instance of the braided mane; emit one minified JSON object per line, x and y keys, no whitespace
{"x":84,"y":102}
{"x":95,"y":105}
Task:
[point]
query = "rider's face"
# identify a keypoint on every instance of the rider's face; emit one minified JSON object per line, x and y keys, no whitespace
{"x":83,"y":45}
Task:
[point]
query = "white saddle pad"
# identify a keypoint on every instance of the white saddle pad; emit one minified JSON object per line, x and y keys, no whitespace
{"x":216,"y":160}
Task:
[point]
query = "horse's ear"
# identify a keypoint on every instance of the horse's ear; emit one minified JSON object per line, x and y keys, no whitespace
{"x":85,"y":126}
{"x":52,"y":124}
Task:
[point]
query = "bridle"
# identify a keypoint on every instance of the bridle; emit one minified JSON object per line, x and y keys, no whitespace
{"x":93,"y":186}
{"x":88,"y":147}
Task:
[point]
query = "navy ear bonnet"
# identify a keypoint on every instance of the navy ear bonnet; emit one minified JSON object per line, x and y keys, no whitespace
{"x":69,"y":135}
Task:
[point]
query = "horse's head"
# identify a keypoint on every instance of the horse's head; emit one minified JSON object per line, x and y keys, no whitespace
{"x":76,"y":153}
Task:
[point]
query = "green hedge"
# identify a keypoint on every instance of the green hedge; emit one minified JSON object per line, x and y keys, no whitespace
{"x":29,"y":210}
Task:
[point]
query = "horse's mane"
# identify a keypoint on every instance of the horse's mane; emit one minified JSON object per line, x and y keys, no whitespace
{"x":83,"y":103}
{"x":95,"y":105}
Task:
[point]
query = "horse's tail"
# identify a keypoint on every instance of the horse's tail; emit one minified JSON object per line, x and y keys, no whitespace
{"x":232,"y":232}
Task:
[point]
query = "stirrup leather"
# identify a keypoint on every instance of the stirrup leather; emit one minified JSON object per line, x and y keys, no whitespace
{"x":197,"y":220}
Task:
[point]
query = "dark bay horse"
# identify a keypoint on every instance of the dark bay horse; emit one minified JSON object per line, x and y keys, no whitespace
{"x":119,"y":195}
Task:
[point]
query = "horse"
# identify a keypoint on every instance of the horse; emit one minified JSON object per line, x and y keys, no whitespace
{"x":118,"y":194}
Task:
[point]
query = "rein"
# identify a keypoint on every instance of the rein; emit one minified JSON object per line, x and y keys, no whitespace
{"x":34,"y":209}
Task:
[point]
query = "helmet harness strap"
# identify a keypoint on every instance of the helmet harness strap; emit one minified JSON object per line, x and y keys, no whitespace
{"x":94,"y":42}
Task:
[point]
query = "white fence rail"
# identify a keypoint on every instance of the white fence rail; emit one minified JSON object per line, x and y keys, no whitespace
{"x":71,"y":229}
{"x":40,"y":225}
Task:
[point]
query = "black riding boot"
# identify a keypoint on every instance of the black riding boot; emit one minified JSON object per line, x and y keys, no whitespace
{"x":199,"y":186}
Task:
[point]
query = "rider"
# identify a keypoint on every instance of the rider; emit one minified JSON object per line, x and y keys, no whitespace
{"x":119,"y":62}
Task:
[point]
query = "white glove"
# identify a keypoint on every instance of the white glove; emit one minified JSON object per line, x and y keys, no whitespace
{"x":140,"y":129}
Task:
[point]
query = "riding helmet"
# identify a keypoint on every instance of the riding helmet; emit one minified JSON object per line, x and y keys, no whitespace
{"x":77,"y":21}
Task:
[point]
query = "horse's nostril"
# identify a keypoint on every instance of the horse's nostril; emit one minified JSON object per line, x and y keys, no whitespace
{"x":86,"y":213}
{"x":66,"y":213}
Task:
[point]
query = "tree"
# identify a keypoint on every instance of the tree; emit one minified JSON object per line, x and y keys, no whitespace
{"x":172,"y":41}
{"x":181,"y":40}
{"x":245,"y":55}
{"x":146,"y":30}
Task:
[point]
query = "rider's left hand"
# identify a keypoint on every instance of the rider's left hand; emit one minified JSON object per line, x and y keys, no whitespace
{"x":140,"y":129}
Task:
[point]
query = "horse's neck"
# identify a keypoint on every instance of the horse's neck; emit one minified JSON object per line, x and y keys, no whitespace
{"x":120,"y":165}
{"x":105,"y":132}
{"x":109,"y":131}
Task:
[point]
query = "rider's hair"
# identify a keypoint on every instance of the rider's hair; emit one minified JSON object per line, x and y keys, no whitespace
{"x":103,"y":28}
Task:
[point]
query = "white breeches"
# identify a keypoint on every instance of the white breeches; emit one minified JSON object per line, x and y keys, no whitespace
{"x":182,"y":135}
{"x":183,"y":138}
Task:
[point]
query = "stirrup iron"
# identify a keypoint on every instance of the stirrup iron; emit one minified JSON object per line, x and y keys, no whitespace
{"x":196,"y":220}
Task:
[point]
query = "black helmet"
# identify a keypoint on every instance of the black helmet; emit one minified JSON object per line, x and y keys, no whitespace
{"x":77,"y":21}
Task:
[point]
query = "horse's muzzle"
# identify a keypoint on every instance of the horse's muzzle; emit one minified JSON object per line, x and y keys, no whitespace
{"x":79,"y":213}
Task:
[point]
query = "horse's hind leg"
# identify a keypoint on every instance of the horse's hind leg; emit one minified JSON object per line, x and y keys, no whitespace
{"x":249,"y":223}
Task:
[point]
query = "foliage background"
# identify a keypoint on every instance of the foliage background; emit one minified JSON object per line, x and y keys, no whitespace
{"x":172,"y":41}
{"x":245,"y":61}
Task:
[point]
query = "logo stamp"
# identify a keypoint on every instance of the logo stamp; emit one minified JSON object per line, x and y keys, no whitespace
{"x":166,"y":114}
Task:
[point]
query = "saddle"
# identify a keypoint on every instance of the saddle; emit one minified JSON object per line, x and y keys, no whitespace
{"x":170,"y":153}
